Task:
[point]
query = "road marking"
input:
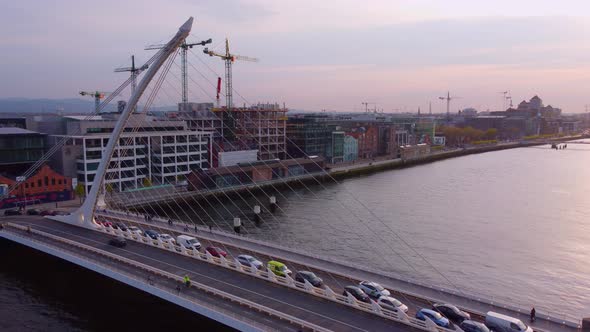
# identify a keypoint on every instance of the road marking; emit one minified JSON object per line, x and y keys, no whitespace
{"x":207,"y":277}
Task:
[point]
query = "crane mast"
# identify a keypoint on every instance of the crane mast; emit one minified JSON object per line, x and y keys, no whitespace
{"x":184,"y":47}
{"x":228,"y":58}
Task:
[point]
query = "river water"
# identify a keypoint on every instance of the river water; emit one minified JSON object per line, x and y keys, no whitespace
{"x":512,"y":225}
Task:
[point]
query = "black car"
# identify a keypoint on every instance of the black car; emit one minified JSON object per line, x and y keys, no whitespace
{"x":152,"y":234}
{"x":451,"y":312}
{"x":33,"y":212}
{"x":13,"y":212}
{"x":471,"y":326}
{"x":301,"y":276}
{"x":357,"y":293}
{"x":118,"y":242}
{"x":120,"y":226}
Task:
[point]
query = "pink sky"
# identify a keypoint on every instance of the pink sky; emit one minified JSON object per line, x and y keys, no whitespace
{"x":314,"y":54}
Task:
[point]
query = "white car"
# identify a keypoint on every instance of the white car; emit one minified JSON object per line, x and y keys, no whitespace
{"x":167,"y":238}
{"x":134,"y":229}
{"x":393,"y":304}
{"x":373,"y":289}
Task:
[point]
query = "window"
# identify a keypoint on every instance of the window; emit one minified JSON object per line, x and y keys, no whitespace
{"x":32,"y":184}
{"x":46,"y":181}
{"x":26,"y":185}
{"x":53,"y":181}
{"x":39,"y":183}
{"x":59,"y":181}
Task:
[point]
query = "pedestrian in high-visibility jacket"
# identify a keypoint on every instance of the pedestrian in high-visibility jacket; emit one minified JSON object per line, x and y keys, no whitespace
{"x":187,"y":281}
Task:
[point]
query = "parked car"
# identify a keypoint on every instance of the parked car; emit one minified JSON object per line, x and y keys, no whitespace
{"x":502,"y":323}
{"x":60,"y":213}
{"x":152,"y":234}
{"x":167,"y":238}
{"x":278,"y":268}
{"x":107,"y":224}
{"x":313,"y":279}
{"x":188,"y":242}
{"x":118,"y":241}
{"x":12,"y":212}
{"x":393,"y":304}
{"x":216,"y":251}
{"x":33,"y":212}
{"x":357,"y":293}
{"x":373,"y":289}
{"x":250,"y":261}
{"x":47,"y":213}
{"x":473,"y":326}
{"x":136,"y":230}
{"x":451,"y":312}
{"x":434,"y":316}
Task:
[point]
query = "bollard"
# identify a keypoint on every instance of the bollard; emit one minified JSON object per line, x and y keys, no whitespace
{"x":237,"y":224}
{"x":257,"y":213}
{"x":273,"y":203}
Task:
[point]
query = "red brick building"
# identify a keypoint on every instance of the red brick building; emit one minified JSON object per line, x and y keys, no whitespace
{"x":368,"y":141}
{"x":44,"y":186}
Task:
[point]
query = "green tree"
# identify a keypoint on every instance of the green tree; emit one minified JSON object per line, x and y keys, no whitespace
{"x":80,"y":191}
{"x":109,"y":188}
{"x":491,"y":133}
{"x":147,"y":182}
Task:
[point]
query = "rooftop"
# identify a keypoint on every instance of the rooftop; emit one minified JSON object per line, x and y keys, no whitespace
{"x":16,"y":131}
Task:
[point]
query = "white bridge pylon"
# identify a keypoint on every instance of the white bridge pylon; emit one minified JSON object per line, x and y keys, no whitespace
{"x":84,"y":215}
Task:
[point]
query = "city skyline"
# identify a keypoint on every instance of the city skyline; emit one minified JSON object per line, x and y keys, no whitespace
{"x":330,"y":56}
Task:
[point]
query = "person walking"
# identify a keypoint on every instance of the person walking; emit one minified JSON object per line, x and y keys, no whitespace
{"x":533,"y":314}
{"x":187,"y":281}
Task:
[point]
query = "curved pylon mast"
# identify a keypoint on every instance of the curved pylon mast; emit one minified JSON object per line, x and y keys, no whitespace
{"x":83,"y":216}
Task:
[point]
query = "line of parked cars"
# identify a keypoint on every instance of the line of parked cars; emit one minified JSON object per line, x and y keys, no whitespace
{"x":34,"y":212}
{"x":441,"y":314}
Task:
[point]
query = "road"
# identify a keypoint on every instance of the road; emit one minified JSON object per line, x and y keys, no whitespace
{"x":321,"y":312}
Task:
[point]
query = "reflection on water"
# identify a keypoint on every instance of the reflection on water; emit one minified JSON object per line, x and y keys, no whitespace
{"x":512,"y":225}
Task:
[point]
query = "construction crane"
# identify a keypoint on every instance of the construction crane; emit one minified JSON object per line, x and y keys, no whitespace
{"x":229,"y":58}
{"x":97,"y":95}
{"x":448,"y":98}
{"x":134,"y":72}
{"x":366,"y":104}
{"x":505,"y":97}
{"x":184,"y":47}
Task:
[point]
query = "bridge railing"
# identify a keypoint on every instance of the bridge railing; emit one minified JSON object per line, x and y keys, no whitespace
{"x":177,"y":279}
{"x":267,"y":275}
{"x":565,"y":320}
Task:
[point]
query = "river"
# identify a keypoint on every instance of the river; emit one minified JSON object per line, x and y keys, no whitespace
{"x":511,"y":225}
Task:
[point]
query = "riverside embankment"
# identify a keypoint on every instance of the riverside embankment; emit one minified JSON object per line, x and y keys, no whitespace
{"x":164,"y":196}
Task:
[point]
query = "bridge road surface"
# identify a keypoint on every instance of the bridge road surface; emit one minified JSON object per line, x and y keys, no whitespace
{"x":198,"y":296}
{"x":345,"y":275}
{"x":325,"y":313}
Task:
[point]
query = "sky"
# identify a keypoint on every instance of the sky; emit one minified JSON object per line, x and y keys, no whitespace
{"x":314,"y":55}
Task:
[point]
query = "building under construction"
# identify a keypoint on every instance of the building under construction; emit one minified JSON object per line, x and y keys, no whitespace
{"x":261,"y":127}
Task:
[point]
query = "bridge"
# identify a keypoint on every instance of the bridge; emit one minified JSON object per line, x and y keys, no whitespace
{"x":248,"y":299}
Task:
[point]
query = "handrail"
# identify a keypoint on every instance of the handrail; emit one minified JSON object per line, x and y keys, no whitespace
{"x":467,"y":295}
{"x":208,"y":289}
{"x":326,"y":293}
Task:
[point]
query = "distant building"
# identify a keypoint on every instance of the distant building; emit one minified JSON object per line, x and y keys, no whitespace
{"x":249,"y":173}
{"x":148,"y":152}
{"x":414,"y":151}
{"x":44,"y":186}
{"x":20,"y":148}
{"x":351,"y":148}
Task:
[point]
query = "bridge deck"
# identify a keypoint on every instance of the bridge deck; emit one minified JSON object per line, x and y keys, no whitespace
{"x":414,"y":295}
{"x":298,"y":304}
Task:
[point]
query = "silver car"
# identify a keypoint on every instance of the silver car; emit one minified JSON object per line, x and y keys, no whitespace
{"x":393,"y":304}
{"x":250,"y":261}
{"x":373,"y":289}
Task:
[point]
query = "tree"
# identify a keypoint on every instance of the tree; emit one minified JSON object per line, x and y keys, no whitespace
{"x":491,"y":133}
{"x":147,"y":182}
{"x":109,"y":188}
{"x":80,"y":191}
